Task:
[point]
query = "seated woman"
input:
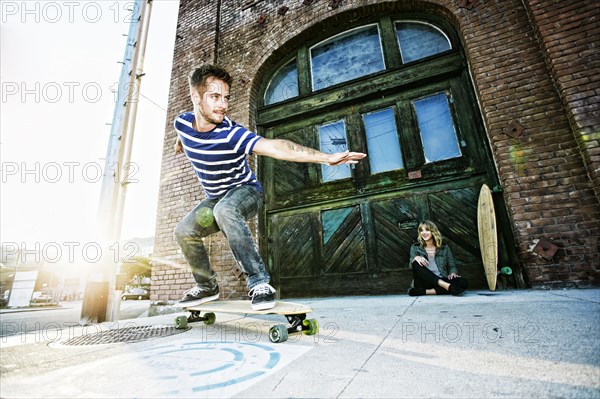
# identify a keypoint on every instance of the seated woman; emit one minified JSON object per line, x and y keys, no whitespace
{"x":433,"y":265}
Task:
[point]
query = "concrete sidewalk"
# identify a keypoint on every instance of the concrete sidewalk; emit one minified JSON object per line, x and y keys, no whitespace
{"x":517,"y":343}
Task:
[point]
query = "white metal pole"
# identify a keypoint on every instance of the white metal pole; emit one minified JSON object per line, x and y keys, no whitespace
{"x":130,"y":127}
{"x":126,"y":148}
{"x":99,"y":293}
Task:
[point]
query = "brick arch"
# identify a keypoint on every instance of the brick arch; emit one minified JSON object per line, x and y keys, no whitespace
{"x":514,"y":90}
{"x":318,"y":32}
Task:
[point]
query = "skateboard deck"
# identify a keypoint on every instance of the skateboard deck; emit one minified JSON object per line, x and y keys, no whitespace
{"x":295,"y":314}
{"x":488,"y":238}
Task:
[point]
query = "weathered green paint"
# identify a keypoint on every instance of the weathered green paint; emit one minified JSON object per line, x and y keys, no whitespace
{"x":391,"y":51}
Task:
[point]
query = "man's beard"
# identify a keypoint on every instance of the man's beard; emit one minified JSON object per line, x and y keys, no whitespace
{"x":209,"y":119}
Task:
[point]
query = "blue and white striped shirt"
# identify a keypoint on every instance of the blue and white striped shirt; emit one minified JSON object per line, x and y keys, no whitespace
{"x":219,"y":156}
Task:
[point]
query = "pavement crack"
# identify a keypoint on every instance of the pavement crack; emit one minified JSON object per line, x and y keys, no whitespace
{"x":361,"y":368}
{"x":573,"y":297}
{"x":279,"y":383}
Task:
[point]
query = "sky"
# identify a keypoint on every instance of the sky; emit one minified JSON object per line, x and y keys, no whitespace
{"x":60,"y":61}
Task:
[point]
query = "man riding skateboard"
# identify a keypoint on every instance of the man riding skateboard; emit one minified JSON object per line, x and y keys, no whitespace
{"x":217,"y":148}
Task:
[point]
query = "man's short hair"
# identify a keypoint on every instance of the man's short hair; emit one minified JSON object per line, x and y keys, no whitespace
{"x":198,"y":76}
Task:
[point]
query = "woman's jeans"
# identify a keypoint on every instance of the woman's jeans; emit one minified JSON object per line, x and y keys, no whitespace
{"x":227,"y":214}
{"x":425,"y":278}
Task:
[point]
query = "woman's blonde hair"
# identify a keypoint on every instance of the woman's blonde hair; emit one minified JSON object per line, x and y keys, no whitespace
{"x":435,"y":233}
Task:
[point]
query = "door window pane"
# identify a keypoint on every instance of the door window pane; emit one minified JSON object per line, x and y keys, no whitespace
{"x":332,"y":138}
{"x":347,"y":56}
{"x":438,"y":134}
{"x":332,"y":220}
{"x":283,"y":85}
{"x":382,"y":141}
{"x":419,"y":40}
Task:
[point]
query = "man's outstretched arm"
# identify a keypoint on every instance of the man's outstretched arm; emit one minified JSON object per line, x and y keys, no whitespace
{"x":286,"y":150}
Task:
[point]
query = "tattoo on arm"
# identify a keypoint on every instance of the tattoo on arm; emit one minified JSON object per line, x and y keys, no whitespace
{"x":299,"y":148}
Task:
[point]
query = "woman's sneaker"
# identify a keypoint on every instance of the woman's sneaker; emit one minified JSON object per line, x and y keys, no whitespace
{"x":416,"y":291}
{"x":456,"y":289}
{"x":263,"y":297}
{"x":198,"y":295}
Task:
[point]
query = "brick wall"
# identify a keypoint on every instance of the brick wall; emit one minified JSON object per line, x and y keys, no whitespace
{"x":569,"y":32}
{"x":548,"y":191}
{"x":539,"y":104}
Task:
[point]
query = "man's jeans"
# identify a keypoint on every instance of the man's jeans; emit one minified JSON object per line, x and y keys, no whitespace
{"x":230,"y":214}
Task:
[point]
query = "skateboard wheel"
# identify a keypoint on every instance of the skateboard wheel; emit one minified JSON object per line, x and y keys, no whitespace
{"x":311,"y":326}
{"x":209,"y":318}
{"x":278,"y":333}
{"x":181,"y":322}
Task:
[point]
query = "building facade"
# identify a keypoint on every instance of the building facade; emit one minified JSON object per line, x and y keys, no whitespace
{"x":443,"y":95}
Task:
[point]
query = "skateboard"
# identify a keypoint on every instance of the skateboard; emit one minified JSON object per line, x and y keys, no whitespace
{"x":295,"y":314}
{"x":488,"y":239}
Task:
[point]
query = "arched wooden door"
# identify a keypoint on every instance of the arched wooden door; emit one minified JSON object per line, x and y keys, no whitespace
{"x":398,"y":90}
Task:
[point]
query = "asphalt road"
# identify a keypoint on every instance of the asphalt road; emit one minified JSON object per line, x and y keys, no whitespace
{"x":47,"y":320}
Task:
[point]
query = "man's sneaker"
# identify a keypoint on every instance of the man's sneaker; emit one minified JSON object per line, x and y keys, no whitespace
{"x":197,"y":295}
{"x":263,"y":297}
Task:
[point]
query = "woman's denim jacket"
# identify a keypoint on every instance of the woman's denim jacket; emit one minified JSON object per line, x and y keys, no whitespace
{"x":443,"y":257}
